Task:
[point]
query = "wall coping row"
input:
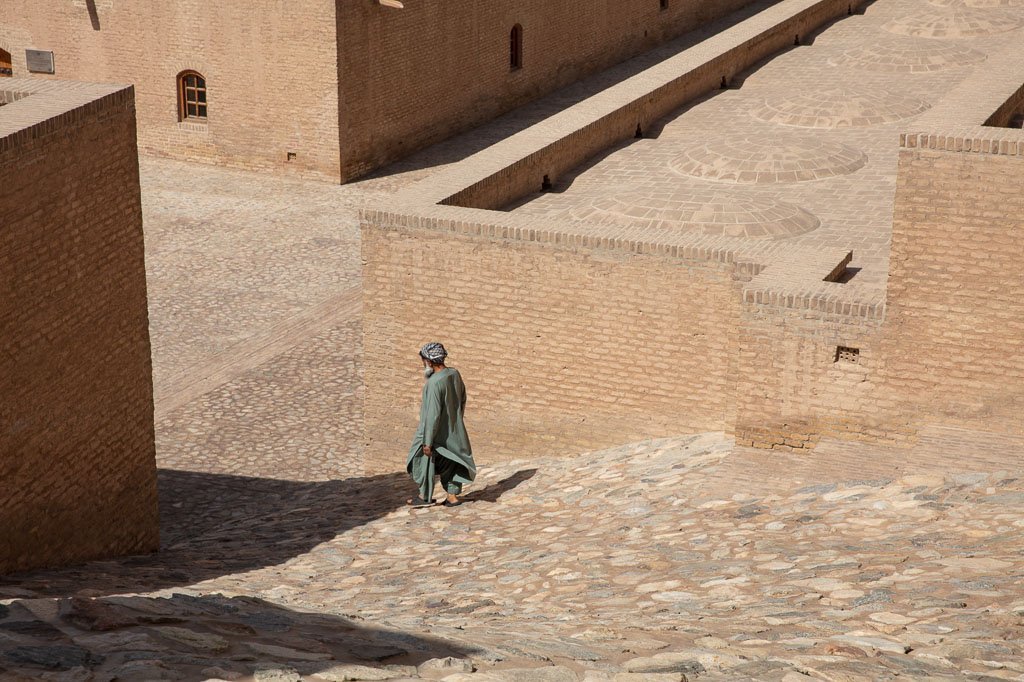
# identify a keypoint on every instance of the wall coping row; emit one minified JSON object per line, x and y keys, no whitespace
{"x":38,"y":108}
{"x":801,"y":277}
{"x":957,"y":122}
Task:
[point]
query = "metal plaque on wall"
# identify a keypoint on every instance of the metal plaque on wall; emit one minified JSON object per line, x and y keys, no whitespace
{"x":39,"y":61}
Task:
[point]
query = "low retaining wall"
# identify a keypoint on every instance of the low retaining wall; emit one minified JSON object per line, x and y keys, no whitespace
{"x":561,"y":347}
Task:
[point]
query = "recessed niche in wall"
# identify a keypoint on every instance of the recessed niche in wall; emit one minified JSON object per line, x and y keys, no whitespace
{"x":847,"y":354}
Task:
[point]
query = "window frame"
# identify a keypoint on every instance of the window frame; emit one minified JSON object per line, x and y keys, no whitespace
{"x":6,"y":64}
{"x":199,"y":102}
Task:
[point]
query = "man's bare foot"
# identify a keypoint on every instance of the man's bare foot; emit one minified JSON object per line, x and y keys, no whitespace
{"x":452,"y":501}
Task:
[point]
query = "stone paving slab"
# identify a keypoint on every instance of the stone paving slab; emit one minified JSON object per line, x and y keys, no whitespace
{"x":634,"y":560}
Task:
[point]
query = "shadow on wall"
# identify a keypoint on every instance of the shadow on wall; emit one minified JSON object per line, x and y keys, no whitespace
{"x":465,"y":145}
{"x":214,"y":525}
{"x":196,"y":638}
{"x":519,"y":119}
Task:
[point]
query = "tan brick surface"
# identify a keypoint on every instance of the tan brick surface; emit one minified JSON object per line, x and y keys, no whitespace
{"x":77,"y":459}
{"x":346,"y":86}
{"x":270,"y":68}
{"x":776,"y":184}
{"x":955,"y":326}
{"x":559,"y":347}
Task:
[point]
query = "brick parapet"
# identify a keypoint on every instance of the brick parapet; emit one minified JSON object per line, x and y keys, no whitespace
{"x":517,"y":165}
{"x":39,"y":108}
{"x":971,"y":118}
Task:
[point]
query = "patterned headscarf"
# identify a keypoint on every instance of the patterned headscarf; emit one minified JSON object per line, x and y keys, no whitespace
{"x":434,"y":352}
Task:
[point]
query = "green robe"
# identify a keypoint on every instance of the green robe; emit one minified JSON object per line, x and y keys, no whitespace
{"x":443,"y":429}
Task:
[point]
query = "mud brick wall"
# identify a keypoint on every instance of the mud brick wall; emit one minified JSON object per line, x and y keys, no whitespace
{"x":271,"y":71}
{"x":77,"y":458}
{"x":807,"y":373}
{"x":412,"y":77}
{"x":563,"y":349}
{"x":955,"y":323}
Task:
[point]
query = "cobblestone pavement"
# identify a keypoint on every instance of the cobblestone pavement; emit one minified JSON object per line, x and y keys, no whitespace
{"x":254,"y":316}
{"x":679,"y":559}
{"x":659,"y":558}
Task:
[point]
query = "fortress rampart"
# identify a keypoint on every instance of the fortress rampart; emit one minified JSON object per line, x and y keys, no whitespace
{"x":77,"y":457}
{"x":336,"y":88}
{"x":779,"y":345}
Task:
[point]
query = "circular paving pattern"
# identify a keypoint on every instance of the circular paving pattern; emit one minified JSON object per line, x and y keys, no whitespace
{"x":957,"y":22}
{"x":756,"y":160}
{"x":839,"y":108}
{"x":709,"y":213}
{"x":899,"y":56}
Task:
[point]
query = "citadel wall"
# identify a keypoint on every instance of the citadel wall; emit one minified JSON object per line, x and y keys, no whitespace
{"x":955,"y":321}
{"x":77,"y":454}
{"x":776,"y":345}
{"x":409,"y":78}
{"x":563,"y":346}
{"x":271,"y":71}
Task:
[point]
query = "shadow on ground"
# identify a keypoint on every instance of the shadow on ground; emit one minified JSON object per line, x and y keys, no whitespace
{"x":195,"y":638}
{"x":213,"y":525}
{"x":494,"y":491}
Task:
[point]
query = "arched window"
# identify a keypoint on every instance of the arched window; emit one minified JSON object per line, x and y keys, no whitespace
{"x":5,"y":63}
{"x":191,"y":96}
{"x":515,"y":53}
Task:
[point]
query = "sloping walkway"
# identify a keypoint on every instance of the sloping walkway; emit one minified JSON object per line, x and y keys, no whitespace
{"x":640,"y":558}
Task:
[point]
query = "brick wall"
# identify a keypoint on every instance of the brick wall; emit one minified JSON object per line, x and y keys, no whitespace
{"x":412,"y":77}
{"x":943,"y":344}
{"x":77,"y":458}
{"x":276,"y":72}
{"x":794,"y":386}
{"x":562,"y":349}
{"x":955,"y":327}
{"x":271,"y":70}
{"x":707,"y":346}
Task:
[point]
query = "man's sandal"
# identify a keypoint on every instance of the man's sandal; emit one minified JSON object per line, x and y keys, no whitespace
{"x":418,"y":502}
{"x":447,"y":503}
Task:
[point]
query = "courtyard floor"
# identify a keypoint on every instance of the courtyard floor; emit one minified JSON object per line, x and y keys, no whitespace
{"x":283,"y":558}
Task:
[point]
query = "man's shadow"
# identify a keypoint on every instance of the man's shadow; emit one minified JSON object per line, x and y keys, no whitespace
{"x":212,"y":525}
{"x":494,"y":491}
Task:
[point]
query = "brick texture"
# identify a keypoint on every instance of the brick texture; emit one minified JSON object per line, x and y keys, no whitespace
{"x":794,"y":385}
{"x":77,"y":459}
{"x":560,"y":348}
{"x":955,"y":327}
{"x":347,"y":86}
{"x":270,"y":67}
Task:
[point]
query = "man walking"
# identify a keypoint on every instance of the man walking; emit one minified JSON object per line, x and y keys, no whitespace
{"x":441,"y":445}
